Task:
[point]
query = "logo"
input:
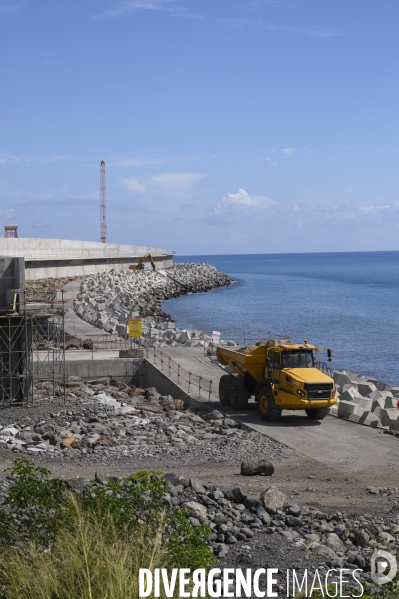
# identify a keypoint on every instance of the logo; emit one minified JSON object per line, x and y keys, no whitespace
{"x":380,"y":562}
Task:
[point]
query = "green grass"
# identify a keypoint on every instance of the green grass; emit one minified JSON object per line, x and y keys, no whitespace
{"x":58,"y":544}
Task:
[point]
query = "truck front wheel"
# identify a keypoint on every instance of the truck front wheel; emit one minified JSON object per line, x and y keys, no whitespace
{"x":317,"y":414}
{"x":224,"y":390}
{"x":238,"y":394}
{"x":267,"y":408}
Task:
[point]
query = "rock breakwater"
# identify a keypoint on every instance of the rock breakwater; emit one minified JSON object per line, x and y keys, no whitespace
{"x":366,"y":400}
{"x":108,"y":300}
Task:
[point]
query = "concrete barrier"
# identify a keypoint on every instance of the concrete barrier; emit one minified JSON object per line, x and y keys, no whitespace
{"x":48,"y":258}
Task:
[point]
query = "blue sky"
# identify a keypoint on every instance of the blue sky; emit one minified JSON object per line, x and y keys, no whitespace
{"x":227,"y":126}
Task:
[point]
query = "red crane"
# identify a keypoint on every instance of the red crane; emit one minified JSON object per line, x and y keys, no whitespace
{"x":103,"y":205}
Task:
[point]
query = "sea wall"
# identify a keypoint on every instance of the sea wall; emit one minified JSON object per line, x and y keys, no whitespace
{"x":53,"y":258}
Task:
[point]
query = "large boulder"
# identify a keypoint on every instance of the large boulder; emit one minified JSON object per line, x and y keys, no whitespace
{"x":214,"y":415}
{"x":197,"y":487}
{"x":252,"y":467}
{"x":272,"y":498}
{"x":237,"y":494}
{"x":196,"y":510}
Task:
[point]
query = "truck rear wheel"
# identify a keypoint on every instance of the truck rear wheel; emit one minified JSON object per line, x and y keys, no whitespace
{"x":317,"y":414}
{"x":224,"y":390}
{"x":238,"y":394}
{"x":267,"y":408}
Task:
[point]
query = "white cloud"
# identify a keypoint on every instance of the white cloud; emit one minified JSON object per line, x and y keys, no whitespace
{"x":242,"y":202}
{"x":130,"y":6}
{"x":10,"y":7}
{"x":169,"y":183}
{"x":134,"y":5}
{"x":127,"y":162}
{"x":288,"y":152}
{"x":8,"y":213}
{"x":376,"y":209}
{"x":134,"y":184}
{"x":12,"y":159}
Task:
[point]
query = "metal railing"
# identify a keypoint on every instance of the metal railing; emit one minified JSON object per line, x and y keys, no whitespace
{"x":324,"y":368}
{"x":174,"y":369}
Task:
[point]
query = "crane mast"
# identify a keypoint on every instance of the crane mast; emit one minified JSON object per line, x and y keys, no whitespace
{"x":103,"y":205}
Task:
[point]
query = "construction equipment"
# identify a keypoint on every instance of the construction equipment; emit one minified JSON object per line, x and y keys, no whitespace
{"x":281,"y":376}
{"x":140,"y":265}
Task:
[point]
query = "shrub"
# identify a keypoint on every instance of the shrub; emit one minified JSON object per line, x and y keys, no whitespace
{"x":53,"y":538}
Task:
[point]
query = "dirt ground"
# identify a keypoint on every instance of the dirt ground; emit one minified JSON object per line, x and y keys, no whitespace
{"x":300,"y":478}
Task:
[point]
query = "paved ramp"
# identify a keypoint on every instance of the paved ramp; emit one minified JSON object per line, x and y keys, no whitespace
{"x":332,"y":441}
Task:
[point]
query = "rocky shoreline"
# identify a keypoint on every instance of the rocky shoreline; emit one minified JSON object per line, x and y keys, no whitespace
{"x":108,"y":300}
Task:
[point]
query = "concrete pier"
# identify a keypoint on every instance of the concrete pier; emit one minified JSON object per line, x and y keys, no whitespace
{"x":45,"y":258}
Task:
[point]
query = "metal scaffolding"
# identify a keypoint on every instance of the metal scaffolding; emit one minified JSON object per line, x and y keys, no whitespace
{"x":32,"y":350}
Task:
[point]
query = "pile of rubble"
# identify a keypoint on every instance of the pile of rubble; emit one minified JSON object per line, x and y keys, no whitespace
{"x":44,"y":290}
{"x":108,"y":300}
{"x":366,"y":400}
{"x":106,"y":421}
{"x":341,"y":541}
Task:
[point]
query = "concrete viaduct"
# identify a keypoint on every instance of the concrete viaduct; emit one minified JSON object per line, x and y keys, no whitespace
{"x":45,"y":258}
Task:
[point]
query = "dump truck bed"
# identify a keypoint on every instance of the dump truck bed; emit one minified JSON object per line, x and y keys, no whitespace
{"x":250,"y":361}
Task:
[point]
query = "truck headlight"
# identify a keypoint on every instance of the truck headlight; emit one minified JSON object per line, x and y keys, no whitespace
{"x":334,"y":392}
{"x":301,"y":393}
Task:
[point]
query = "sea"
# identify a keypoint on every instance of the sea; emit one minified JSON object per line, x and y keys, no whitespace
{"x":347,"y":301}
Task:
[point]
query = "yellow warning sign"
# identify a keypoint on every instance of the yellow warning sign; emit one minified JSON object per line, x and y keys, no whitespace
{"x":135,"y":327}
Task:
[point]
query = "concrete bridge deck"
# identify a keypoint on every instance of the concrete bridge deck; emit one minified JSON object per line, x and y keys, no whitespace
{"x":45,"y":258}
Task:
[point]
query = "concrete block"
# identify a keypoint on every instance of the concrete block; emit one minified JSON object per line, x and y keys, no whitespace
{"x":391,"y":402}
{"x":345,"y":408}
{"x":388,"y":417}
{"x":395,"y":425}
{"x":369,"y":419}
{"x":383,"y":386}
{"x":351,"y":394}
{"x":378,"y":404}
{"x":366,"y":388}
{"x":341,"y":378}
{"x":357,"y":414}
{"x":364,"y":402}
{"x":347,"y":387}
{"x":395,"y":391}
{"x":184,"y":336}
{"x":375,"y":394}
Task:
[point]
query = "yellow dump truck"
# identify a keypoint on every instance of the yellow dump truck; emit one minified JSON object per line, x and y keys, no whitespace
{"x":281,"y":376}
